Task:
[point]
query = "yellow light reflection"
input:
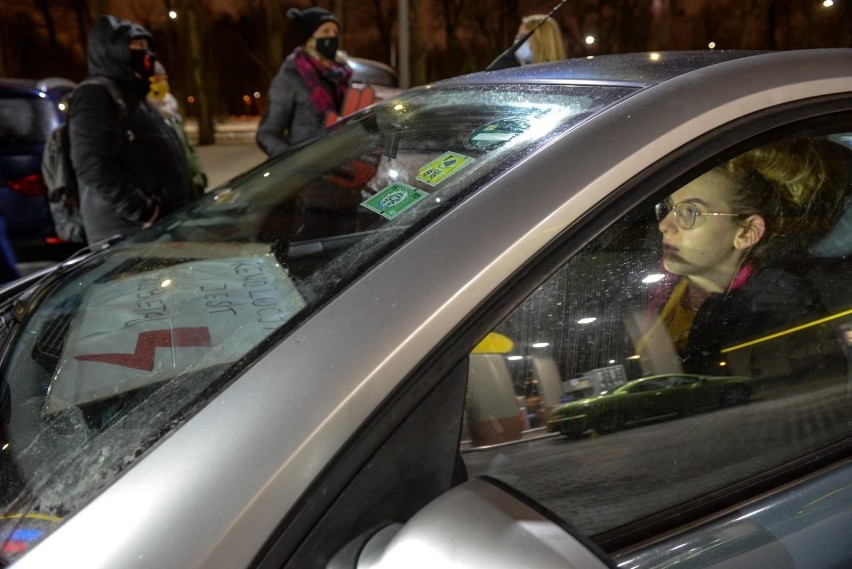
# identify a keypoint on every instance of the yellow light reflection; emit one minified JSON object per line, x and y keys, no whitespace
{"x":788,"y":331}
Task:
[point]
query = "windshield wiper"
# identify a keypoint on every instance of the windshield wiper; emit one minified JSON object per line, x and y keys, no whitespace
{"x":25,"y":294}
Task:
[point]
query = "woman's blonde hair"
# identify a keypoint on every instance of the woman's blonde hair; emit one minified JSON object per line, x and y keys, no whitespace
{"x":797,"y":186}
{"x":546,"y":41}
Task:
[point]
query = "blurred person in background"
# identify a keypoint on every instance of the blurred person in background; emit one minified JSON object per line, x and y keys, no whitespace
{"x":129,"y":164}
{"x":311,"y":82}
{"x":545,"y":44}
{"x":161,"y":97}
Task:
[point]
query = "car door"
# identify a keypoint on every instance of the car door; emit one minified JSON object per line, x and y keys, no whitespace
{"x":796,"y":363}
{"x":688,"y":393}
{"x":608,"y":495}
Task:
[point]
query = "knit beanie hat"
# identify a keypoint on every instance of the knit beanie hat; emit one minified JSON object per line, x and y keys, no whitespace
{"x":309,"y":20}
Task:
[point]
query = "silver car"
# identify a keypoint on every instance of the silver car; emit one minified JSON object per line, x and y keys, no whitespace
{"x":326,"y":361}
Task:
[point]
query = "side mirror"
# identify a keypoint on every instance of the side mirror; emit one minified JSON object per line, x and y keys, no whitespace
{"x":476,"y":524}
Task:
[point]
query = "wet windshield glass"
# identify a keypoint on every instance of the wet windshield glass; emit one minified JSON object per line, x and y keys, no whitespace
{"x":133,"y":342}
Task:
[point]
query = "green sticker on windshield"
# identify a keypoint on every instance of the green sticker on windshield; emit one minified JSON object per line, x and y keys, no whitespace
{"x":498,"y":132}
{"x":442,"y":168}
{"x":394,"y":200}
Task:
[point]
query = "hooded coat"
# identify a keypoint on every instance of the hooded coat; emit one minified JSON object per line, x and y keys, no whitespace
{"x":127,"y":164}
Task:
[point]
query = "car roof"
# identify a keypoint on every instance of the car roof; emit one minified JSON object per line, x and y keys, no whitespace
{"x":629,"y":69}
{"x":52,"y":86}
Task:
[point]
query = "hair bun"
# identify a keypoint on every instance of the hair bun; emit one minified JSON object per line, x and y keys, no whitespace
{"x":294,"y":13}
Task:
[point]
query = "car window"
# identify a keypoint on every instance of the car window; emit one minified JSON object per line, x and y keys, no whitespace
{"x":25,"y":120}
{"x":716,"y":308}
{"x":123,"y":349}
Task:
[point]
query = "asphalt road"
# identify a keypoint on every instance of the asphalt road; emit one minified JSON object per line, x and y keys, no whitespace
{"x":600,"y":483}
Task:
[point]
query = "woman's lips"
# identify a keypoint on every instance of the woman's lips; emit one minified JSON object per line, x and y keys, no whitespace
{"x":670,"y":252}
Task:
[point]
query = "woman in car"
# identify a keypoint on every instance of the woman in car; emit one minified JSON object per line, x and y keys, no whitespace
{"x":731,"y":238}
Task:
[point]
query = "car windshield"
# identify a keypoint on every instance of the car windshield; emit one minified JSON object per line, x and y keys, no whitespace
{"x":89,"y":376}
{"x":25,"y":120}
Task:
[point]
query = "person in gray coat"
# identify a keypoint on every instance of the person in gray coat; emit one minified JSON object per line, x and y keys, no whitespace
{"x":129,"y":164}
{"x":310,"y":83}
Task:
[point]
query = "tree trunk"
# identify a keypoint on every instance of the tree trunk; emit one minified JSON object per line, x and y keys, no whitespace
{"x":274,"y":33}
{"x":43,"y":7}
{"x":418,"y":75}
{"x":206,"y":130}
{"x":98,"y":8}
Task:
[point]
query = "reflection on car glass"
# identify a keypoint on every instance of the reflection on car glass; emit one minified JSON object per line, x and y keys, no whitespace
{"x":498,"y":132}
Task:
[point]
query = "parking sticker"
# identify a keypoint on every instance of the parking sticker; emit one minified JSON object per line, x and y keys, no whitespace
{"x":394,"y":200}
{"x":498,"y":132}
{"x":442,"y":168}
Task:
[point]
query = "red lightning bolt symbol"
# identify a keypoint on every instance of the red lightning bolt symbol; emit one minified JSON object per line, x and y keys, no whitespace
{"x":148,"y":342}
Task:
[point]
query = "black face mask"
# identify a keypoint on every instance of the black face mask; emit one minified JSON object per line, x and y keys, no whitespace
{"x":327,"y":47}
{"x":142,"y":63}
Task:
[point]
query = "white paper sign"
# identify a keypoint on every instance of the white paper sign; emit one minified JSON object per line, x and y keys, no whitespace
{"x":156,"y":325}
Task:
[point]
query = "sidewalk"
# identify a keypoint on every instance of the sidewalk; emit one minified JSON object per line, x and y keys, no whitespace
{"x":233,"y":130}
{"x":234,"y":152}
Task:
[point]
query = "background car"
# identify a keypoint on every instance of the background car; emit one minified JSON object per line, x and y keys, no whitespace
{"x":648,"y":398}
{"x":29,"y":111}
{"x":318,"y":363}
{"x":369,"y":71}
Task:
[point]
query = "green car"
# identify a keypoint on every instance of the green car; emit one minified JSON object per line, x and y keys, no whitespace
{"x":647,"y":398}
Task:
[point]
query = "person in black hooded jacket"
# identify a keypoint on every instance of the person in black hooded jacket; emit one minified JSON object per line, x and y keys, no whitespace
{"x":129,"y":164}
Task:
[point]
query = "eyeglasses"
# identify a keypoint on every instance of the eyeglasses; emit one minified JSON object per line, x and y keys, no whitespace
{"x":685,"y":213}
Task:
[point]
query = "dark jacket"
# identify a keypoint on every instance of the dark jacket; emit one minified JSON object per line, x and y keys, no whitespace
{"x":770,"y":301}
{"x":126,"y":164}
{"x":289,"y":117}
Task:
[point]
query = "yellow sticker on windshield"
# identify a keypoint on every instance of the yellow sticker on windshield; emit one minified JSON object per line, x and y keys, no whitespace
{"x":442,"y":168}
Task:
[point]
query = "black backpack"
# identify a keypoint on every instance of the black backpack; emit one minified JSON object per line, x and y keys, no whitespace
{"x":58,"y":173}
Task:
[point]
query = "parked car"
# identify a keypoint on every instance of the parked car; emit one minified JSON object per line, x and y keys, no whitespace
{"x":380,"y":76}
{"x":29,"y":110}
{"x":648,"y":398}
{"x":294,"y":370}
{"x":369,"y":71}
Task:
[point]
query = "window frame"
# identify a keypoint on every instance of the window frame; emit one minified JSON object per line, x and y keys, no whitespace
{"x":824,"y":115}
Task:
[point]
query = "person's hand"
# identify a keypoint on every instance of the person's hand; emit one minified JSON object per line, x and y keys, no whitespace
{"x":154,"y":217}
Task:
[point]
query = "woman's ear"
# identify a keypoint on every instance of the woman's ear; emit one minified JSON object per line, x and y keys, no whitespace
{"x":750,"y":232}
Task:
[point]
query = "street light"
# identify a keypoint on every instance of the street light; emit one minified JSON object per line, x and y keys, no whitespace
{"x":590,"y":40}
{"x":828,"y":3}
{"x":172,"y":14}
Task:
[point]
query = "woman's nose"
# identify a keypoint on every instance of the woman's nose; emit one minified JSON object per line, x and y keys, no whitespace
{"x":667,"y":224}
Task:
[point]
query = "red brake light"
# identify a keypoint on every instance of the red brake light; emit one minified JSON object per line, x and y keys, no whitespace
{"x":31,"y":185}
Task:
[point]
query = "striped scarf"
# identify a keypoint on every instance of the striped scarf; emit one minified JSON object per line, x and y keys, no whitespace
{"x":326,"y":83}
